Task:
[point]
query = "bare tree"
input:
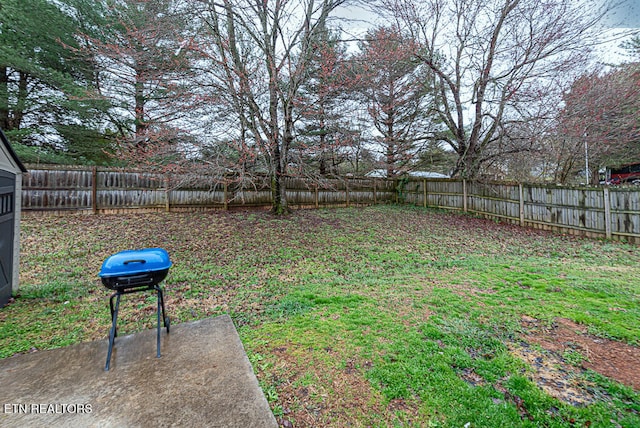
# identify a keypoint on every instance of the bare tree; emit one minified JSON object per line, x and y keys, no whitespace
{"x":598,"y":125}
{"x":494,"y":62}
{"x":260,"y":52}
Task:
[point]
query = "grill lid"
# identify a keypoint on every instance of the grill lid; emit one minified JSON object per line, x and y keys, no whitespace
{"x":132,"y":262}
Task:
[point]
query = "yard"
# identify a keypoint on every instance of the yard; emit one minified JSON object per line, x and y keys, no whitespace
{"x":381,"y":316}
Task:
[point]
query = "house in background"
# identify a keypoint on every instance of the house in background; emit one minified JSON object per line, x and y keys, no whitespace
{"x":11,"y":170}
{"x":382,"y":173}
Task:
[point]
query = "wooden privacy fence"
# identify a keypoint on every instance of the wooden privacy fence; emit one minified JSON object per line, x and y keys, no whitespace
{"x":101,"y":191}
{"x":609,"y":212}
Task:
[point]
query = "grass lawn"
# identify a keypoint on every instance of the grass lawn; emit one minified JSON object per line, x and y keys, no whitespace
{"x":381,"y":316}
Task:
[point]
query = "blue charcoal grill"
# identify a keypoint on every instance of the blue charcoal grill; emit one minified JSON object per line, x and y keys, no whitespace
{"x":133,"y":271}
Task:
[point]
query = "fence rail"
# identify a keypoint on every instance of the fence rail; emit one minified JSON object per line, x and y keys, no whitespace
{"x":608,"y":212}
{"x":99,"y":191}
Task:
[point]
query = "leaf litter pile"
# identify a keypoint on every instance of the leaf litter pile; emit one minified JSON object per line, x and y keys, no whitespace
{"x":369,"y":276}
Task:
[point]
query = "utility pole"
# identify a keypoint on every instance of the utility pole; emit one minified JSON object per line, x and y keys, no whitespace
{"x":586,"y":162}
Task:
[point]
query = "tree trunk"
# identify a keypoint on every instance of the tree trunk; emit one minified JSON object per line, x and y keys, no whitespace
{"x":140,"y":124}
{"x":468,"y":165}
{"x":278,"y":187}
{"x":4,"y":101}
{"x":15,"y":120}
{"x":11,"y":118}
{"x":278,"y":153}
{"x":323,"y":144}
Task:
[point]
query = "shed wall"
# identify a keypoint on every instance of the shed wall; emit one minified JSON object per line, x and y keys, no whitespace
{"x":16,"y":233}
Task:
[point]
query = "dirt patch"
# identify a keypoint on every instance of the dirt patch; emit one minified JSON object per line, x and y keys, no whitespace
{"x":338,"y":399}
{"x":471,"y":377}
{"x":554,"y":376}
{"x":565,"y":349}
{"x":306,"y":402}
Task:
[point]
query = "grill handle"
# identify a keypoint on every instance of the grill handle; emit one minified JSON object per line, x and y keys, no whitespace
{"x":134,"y":261}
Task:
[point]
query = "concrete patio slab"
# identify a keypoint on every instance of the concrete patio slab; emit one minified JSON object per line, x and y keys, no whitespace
{"x":203,"y":379}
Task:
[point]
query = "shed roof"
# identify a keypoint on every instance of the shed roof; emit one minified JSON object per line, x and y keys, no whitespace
{"x":8,"y":158}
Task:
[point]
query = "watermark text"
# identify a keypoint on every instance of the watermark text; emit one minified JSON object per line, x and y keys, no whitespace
{"x":47,"y":408}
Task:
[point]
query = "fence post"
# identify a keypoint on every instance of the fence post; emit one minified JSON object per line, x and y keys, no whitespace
{"x":375,"y":201}
{"x":607,"y":213}
{"x":226,"y":195}
{"x":94,"y":189}
{"x":521,"y":196}
{"x":167,"y":192}
{"x":424,"y":192}
{"x":317,"y":197}
{"x":346,"y":185}
{"x":464,"y":195}
{"x":395,"y":186}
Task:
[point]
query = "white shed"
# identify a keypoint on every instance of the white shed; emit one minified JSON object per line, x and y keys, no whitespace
{"x":11,"y":170}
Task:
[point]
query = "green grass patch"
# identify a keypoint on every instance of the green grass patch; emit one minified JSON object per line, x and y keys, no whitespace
{"x":384,"y":316}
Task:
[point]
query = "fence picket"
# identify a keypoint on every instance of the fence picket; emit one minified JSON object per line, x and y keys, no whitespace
{"x":608,"y":212}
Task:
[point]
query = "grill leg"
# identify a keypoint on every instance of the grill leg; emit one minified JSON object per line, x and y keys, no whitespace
{"x":112,"y":310}
{"x":164,"y":317}
{"x":112,"y":333}
{"x":160,"y":308}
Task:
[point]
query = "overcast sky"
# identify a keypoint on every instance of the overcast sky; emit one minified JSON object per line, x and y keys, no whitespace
{"x":622,"y":20}
{"x":625,"y":15}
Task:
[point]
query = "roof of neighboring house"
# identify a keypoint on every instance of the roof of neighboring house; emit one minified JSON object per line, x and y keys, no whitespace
{"x":377,"y":173}
{"x":8,"y":158}
{"x":427,"y":174}
{"x":382,"y":173}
